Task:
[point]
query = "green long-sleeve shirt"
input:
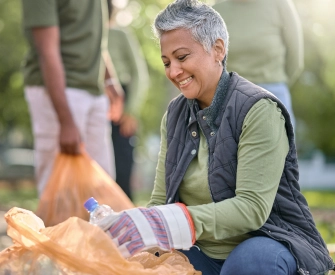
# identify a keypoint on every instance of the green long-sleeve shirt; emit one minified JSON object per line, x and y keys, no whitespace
{"x":130,"y":66}
{"x":261,"y":153}
{"x":265,"y":39}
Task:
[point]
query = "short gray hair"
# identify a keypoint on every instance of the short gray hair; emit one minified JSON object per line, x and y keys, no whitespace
{"x":205,"y":24}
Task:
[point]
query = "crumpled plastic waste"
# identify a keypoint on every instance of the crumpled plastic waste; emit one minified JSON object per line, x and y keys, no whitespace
{"x":76,"y":247}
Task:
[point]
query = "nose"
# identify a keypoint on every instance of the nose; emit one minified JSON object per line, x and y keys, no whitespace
{"x":174,"y":70}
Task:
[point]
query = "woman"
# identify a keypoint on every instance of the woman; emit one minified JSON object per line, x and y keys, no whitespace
{"x":226,"y":191}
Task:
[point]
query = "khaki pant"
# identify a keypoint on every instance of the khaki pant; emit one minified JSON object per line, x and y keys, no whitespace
{"x":90,"y":115}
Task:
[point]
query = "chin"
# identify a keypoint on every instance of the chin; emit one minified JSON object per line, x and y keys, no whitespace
{"x":188,"y":96}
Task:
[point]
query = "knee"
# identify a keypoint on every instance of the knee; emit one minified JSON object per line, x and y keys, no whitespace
{"x":259,"y":255}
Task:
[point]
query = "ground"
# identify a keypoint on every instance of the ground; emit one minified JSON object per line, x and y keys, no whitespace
{"x":23,"y":195}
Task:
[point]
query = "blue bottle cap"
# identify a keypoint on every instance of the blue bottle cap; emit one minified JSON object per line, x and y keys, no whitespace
{"x":90,"y":204}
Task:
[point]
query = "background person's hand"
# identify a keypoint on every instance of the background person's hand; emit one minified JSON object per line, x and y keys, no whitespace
{"x":115,"y":94}
{"x":116,"y":109}
{"x":69,"y":139}
{"x":128,"y":125}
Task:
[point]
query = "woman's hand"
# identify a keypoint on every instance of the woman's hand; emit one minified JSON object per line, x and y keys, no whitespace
{"x":167,"y":227}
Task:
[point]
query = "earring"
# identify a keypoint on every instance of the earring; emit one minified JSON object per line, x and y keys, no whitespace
{"x":220,"y":63}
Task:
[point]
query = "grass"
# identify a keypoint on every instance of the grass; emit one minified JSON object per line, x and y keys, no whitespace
{"x":27,"y":198}
{"x":322,"y":204}
{"x":320,"y":199}
{"x":23,"y":197}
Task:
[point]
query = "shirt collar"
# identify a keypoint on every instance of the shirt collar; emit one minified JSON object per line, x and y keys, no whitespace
{"x":212,"y":111}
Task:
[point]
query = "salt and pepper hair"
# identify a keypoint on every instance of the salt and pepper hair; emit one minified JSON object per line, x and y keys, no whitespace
{"x":206,"y":24}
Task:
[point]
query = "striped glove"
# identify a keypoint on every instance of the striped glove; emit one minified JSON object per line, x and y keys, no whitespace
{"x":167,"y":227}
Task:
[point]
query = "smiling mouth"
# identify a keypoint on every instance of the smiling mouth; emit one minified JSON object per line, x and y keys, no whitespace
{"x":184,"y":82}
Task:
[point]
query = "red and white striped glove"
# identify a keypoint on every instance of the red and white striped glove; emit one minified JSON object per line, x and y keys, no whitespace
{"x":167,"y":227}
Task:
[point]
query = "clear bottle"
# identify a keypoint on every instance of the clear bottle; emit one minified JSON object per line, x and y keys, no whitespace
{"x":97,"y":211}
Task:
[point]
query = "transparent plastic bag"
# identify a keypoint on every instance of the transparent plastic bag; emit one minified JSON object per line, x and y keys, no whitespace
{"x":76,"y":247}
{"x":73,"y":180}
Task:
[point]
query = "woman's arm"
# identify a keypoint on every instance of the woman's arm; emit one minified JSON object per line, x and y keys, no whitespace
{"x":158,"y":195}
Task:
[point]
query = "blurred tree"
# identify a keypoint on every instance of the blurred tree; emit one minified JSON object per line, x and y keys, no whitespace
{"x":159,"y":94}
{"x":13,"y":109}
{"x":314,"y":94}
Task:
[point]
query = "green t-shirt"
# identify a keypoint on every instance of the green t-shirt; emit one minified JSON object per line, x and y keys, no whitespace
{"x":265,"y":39}
{"x":82,"y":40}
{"x":262,"y":150}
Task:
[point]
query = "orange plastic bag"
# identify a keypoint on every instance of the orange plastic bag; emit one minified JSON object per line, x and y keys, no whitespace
{"x":73,"y":180}
{"x":76,"y":247}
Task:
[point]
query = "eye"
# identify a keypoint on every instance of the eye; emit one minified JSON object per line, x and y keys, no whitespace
{"x":182,"y":57}
{"x":166,"y":64}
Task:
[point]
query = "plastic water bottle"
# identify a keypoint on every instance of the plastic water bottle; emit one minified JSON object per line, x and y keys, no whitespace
{"x":97,"y":211}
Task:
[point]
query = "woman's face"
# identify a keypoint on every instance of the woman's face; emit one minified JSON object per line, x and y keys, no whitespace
{"x":189,"y":67}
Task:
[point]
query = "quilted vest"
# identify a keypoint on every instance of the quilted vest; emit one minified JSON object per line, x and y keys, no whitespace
{"x":290,"y":221}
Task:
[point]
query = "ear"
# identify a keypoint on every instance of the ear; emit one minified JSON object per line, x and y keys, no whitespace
{"x":219,"y":49}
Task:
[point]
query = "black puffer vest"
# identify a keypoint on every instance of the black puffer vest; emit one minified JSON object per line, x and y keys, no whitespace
{"x":290,"y":221}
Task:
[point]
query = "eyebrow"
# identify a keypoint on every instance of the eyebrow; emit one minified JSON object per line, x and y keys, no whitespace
{"x":174,"y":51}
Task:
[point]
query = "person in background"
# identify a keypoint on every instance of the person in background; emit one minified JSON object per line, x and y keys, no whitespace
{"x":226,"y":192}
{"x":266,"y":44}
{"x":64,"y":72}
{"x":132,"y":71}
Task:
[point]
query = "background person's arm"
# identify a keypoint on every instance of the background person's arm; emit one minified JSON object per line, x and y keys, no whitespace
{"x":113,"y":89}
{"x":293,"y":39}
{"x":138,"y":85}
{"x":47,"y":43}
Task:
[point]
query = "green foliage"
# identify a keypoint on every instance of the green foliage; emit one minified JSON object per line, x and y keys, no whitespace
{"x":314,"y":94}
{"x":24,"y":197}
{"x":13,"y":108}
{"x":322,"y":204}
{"x":157,"y":96}
{"x":320,"y":199}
